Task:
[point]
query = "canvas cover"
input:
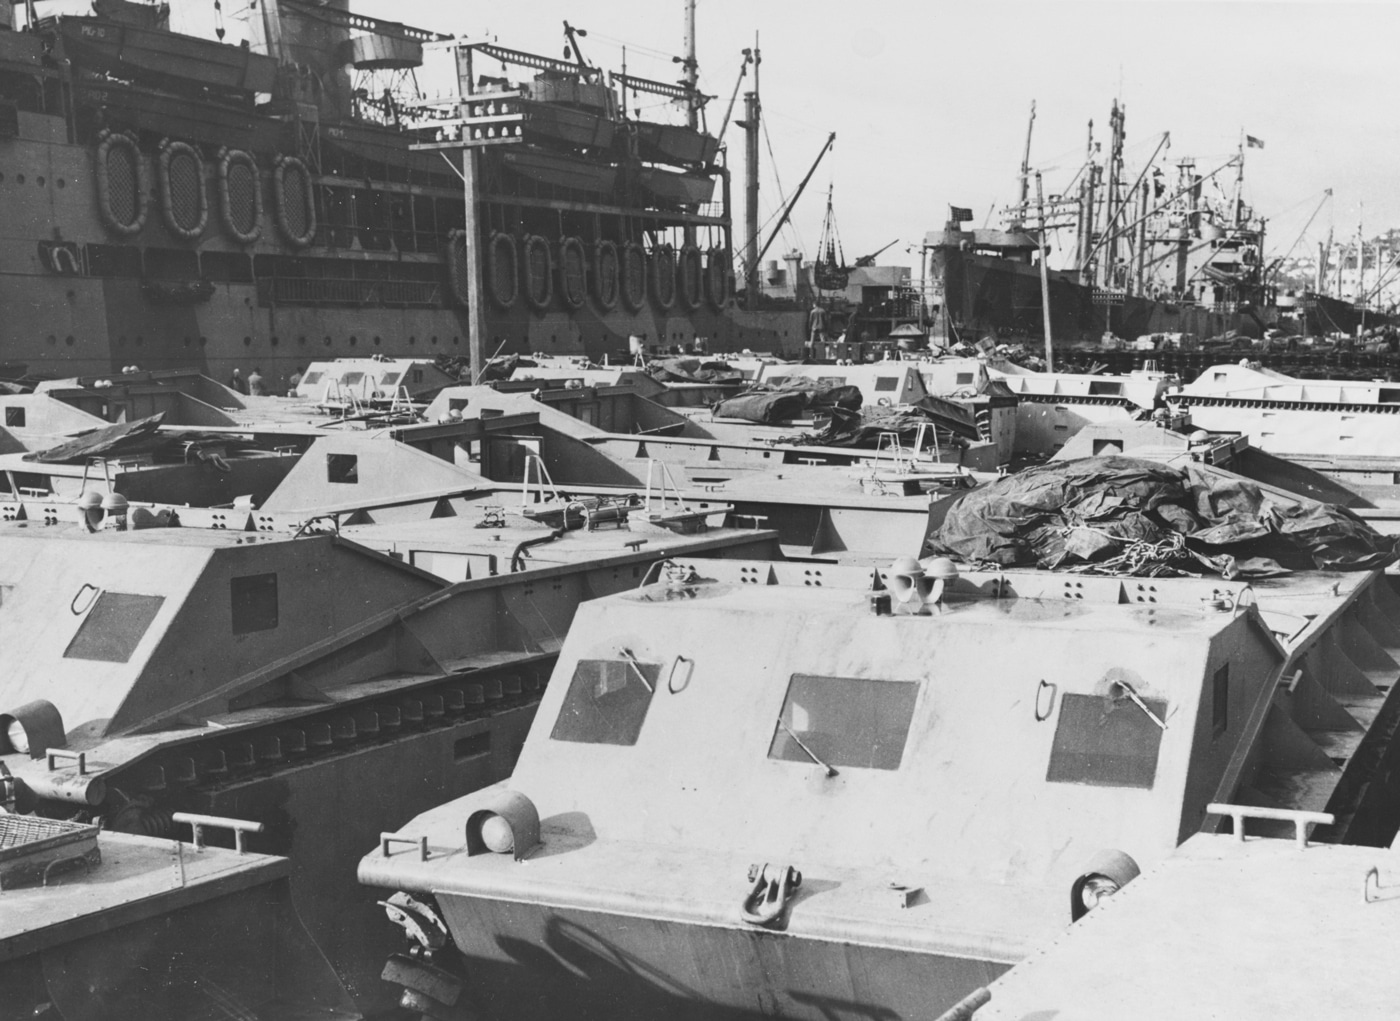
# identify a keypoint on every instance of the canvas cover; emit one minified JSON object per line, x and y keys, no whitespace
{"x":1124,"y":515}
{"x":693,"y":370}
{"x":769,"y":407}
{"x":863,"y":428}
{"x":128,"y":438}
{"x":792,"y":398}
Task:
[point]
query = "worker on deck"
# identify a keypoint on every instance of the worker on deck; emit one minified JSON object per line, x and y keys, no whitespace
{"x":237,"y":383}
{"x":255,"y":383}
{"x":816,"y":329}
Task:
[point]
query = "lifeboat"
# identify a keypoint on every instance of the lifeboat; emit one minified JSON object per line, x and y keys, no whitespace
{"x":573,"y":273}
{"x":607,"y":275}
{"x":634,"y":276}
{"x":663,"y":277}
{"x":538,"y":267}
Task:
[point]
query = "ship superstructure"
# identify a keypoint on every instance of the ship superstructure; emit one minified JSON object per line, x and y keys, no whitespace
{"x":171,"y":201}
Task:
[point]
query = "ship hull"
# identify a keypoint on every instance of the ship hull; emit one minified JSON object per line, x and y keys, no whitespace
{"x":67,"y":326}
{"x":535,"y":962}
{"x":986,"y":295}
{"x":1319,"y":315}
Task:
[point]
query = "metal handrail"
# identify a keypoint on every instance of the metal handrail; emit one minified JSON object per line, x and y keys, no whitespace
{"x":1301,"y":820}
{"x":198,"y":822}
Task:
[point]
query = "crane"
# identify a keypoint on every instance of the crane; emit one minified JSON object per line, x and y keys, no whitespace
{"x":787,"y":210}
{"x":869,"y":260}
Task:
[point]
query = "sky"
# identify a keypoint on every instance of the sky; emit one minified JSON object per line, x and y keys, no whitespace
{"x":929,"y":99}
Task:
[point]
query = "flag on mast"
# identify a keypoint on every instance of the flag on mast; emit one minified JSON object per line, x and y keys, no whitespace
{"x":1253,"y":143}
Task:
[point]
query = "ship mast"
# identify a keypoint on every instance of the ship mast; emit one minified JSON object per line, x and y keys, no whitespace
{"x":1086,"y":212}
{"x":1239,"y":184}
{"x":1025,"y":173}
{"x":1324,"y":256}
{"x":692,"y":69}
{"x":1111,"y":196}
{"x":752,"y":111}
{"x":691,"y":82}
{"x":1360,"y":299}
{"x":1044,"y":273}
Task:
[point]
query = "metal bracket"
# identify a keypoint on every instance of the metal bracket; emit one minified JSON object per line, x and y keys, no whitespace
{"x":671,"y":677}
{"x":62,"y":753}
{"x":1373,"y":872}
{"x":386,"y":839}
{"x":73,"y":606}
{"x":772,"y":887}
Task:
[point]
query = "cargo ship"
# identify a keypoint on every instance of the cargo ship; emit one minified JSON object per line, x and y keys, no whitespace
{"x":1174,"y":250}
{"x":178,"y":202}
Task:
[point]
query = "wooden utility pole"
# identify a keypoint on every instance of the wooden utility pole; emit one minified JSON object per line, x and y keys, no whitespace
{"x":476,"y":307}
{"x":1044,"y":275}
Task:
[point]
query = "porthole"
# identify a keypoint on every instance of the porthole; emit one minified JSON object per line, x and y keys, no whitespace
{"x":247,"y":341}
{"x":68,"y":340}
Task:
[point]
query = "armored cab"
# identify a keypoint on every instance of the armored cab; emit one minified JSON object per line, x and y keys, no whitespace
{"x":1257,"y":928}
{"x":868,"y":800}
{"x":313,"y":685}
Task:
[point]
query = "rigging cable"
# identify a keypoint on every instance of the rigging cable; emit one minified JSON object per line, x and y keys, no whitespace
{"x":773,"y":162}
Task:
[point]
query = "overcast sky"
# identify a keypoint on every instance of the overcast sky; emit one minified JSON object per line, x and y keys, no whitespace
{"x":929,"y":99}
